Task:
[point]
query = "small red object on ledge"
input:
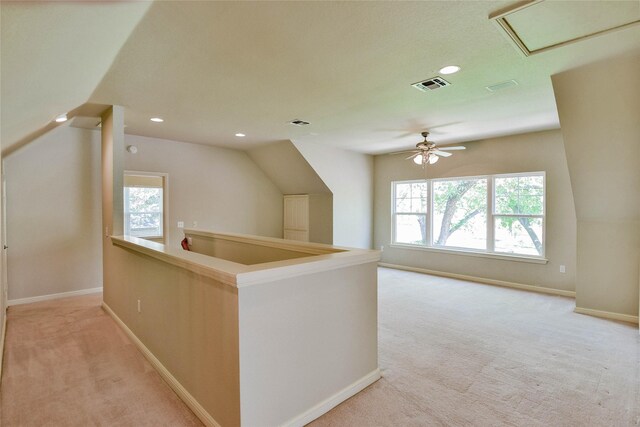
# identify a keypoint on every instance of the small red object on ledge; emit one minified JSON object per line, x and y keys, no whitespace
{"x":185,"y":244}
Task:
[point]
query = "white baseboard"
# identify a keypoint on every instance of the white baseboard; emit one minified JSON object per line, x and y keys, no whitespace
{"x":607,"y":315}
{"x":4,"y":333}
{"x":503,"y":283}
{"x":333,"y":401}
{"x":53,"y":296}
{"x":182,"y":393}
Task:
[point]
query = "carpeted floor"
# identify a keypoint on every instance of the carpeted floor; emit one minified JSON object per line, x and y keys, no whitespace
{"x":455,"y":353}
{"x":452,"y":353}
{"x":68,"y":364}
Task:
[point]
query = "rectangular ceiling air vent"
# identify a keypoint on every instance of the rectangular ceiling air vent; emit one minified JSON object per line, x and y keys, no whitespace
{"x":298,"y":122}
{"x":431,"y":84}
{"x":501,"y":86}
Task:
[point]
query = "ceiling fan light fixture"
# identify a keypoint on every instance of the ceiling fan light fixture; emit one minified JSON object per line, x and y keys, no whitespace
{"x":433,"y":158}
{"x":418,"y":159}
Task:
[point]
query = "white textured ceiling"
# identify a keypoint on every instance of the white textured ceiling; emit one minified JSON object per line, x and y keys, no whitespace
{"x":212,"y":69}
{"x":52,"y":57}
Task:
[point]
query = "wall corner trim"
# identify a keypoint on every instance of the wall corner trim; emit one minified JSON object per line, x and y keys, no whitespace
{"x":521,"y":286}
{"x":175,"y":385}
{"x":53,"y":296}
{"x":607,"y":315}
{"x":333,"y":401}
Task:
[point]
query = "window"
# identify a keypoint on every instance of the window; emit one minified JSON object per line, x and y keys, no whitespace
{"x":460,"y":213}
{"x":144,"y":205}
{"x":496,"y":214}
{"x":518,"y":214}
{"x":410,"y":212}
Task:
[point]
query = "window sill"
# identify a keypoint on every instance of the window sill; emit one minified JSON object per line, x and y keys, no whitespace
{"x":154,"y":238}
{"x":505,"y":257}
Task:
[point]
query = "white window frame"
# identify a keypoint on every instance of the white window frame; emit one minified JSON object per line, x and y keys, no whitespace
{"x":165,"y":203}
{"x":459,"y":178}
{"x":491,"y":219}
{"x":426,"y":214}
{"x":543,"y":216}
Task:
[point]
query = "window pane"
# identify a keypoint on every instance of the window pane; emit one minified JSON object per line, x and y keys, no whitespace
{"x":403,"y":197}
{"x":145,"y":199}
{"x":419,"y":205}
{"x":411,"y":229}
{"x":143,"y":211}
{"x":460,"y":213}
{"x":518,"y":235}
{"x":411,"y":197}
{"x":519,"y":195}
{"x":145,"y":224}
{"x":419,"y":190}
{"x":403,"y":205}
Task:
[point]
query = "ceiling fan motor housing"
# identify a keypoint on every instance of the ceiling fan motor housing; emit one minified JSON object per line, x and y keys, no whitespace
{"x":425,"y":145}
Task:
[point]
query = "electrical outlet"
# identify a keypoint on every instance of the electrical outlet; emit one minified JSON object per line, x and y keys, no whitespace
{"x":180,"y":224}
{"x":139,"y":307}
{"x":563,"y":269}
{"x":195,"y":224}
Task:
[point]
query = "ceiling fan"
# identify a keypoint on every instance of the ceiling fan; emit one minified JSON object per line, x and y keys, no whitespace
{"x":427,"y":152}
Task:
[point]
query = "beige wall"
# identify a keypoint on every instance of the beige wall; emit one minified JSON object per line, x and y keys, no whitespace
{"x":288,"y":169}
{"x":601,"y":129}
{"x":53,"y":214}
{"x":540,"y":151}
{"x":349,"y":176}
{"x":3,"y":270}
{"x":321,"y":218}
{"x":220,"y":189}
{"x":305,"y":339}
{"x":54,"y":203}
{"x":292,"y":174}
{"x":188,"y":321}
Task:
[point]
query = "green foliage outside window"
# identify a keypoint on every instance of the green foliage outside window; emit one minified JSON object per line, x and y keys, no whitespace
{"x":460,"y":209}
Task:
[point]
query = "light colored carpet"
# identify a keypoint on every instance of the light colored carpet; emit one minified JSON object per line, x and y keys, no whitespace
{"x":455,"y":353}
{"x":452,"y":353}
{"x":68,"y":364}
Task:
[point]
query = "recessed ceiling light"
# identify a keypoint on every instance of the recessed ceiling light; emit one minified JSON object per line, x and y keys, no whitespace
{"x":157,"y":119}
{"x":450,"y":69}
{"x":240,"y":135}
{"x":61,"y":118}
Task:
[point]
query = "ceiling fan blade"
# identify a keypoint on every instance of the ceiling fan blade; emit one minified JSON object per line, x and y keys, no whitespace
{"x":441,"y":153}
{"x":413,"y":155}
{"x":459,"y":147}
{"x":402,"y":152}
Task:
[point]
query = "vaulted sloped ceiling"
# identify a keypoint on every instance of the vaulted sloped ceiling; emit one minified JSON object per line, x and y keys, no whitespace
{"x":288,"y":169}
{"x":54,"y":55}
{"x":212,"y":69}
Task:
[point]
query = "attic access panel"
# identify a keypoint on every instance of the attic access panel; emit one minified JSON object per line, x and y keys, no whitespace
{"x":538,"y":25}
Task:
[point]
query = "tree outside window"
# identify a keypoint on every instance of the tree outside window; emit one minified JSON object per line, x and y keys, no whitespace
{"x":460,"y":213}
{"x":143,"y":211}
{"x":458,"y":216}
{"x":518,"y":214}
